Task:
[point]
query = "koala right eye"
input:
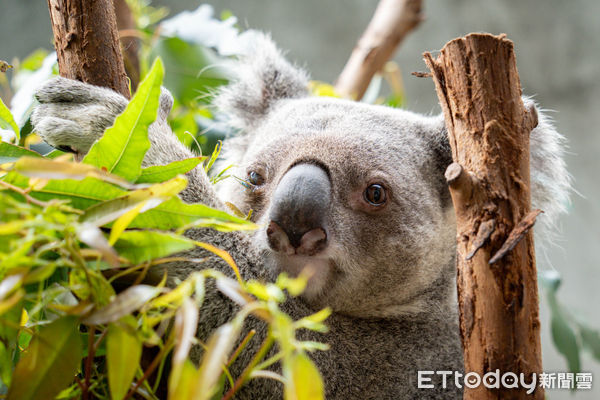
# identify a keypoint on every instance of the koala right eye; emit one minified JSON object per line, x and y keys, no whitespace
{"x":375,"y":195}
{"x":255,"y":178}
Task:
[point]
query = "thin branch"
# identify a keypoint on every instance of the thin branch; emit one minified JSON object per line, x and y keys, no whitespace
{"x":392,"y":21}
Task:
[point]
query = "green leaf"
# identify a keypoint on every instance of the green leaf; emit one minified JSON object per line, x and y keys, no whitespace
{"x":174,"y":213}
{"x":50,"y":362}
{"x":182,"y":381}
{"x":123,"y":352}
{"x":591,"y":339}
{"x":161,"y":173}
{"x":11,"y":153}
{"x":7,"y":119}
{"x":106,"y":212}
{"x":192,"y":70}
{"x":565,"y":341}
{"x":141,"y":246}
{"x":123,"y":147}
{"x":124,"y":304}
{"x":82,"y":194}
{"x":304,"y":380}
{"x":53,"y":169}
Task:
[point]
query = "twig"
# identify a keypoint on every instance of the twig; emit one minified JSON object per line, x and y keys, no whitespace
{"x":150,"y":369}
{"x":88,"y":362}
{"x":421,"y":74}
{"x":24,"y":193}
{"x":392,"y":21}
{"x":516,"y":235}
{"x":242,"y":378}
{"x":483,"y":234}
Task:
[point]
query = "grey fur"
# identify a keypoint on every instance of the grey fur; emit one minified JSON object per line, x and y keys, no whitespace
{"x":388,"y":275}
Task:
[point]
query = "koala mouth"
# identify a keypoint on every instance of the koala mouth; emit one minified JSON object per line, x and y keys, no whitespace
{"x":317,"y":268}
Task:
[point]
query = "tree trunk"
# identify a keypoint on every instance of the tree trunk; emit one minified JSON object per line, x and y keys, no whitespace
{"x":488,"y":128}
{"x":130,"y":44}
{"x":87,"y":42}
{"x":392,"y":21}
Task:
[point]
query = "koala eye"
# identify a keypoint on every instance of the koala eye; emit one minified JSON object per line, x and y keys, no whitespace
{"x":375,"y":195}
{"x":255,"y":178}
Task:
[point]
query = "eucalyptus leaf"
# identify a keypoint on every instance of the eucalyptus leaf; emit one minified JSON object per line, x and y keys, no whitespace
{"x":106,"y":212}
{"x":218,"y":347}
{"x":123,"y":146}
{"x":7,"y":119}
{"x":11,"y":153}
{"x":81,"y":194}
{"x":50,"y":363}
{"x":123,"y":353}
{"x":565,"y":341}
{"x":161,"y":173}
{"x":125,"y":303}
{"x":141,"y":246}
{"x":591,"y":339}
{"x":304,"y":380}
{"x":174,"y":213}
{"x":55,"y":169}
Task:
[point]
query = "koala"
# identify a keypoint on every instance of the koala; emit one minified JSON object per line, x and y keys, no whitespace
{"x":353,"y":193}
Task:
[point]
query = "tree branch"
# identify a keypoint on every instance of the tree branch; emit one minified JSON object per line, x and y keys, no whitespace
{"x":392,"y":21}
{"x":87,"y":42}
{"x":488,"y":126}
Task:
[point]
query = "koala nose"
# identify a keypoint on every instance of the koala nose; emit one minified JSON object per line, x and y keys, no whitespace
{"x":298,"y":213}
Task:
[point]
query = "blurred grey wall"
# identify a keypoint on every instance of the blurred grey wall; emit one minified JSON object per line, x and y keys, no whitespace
{"x":558,"y":55}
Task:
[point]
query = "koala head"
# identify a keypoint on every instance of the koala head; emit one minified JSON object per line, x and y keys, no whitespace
{"x":351,"y":192}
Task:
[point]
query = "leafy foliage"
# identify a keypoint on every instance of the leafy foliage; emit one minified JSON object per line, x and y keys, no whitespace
{"x":570,"y":333}
{"x":72,"y":233}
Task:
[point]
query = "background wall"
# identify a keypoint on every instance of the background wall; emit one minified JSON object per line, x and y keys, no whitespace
{"x":558,"y":53}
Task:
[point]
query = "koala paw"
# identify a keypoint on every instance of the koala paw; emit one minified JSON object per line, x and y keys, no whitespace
{"x":72,"y":115}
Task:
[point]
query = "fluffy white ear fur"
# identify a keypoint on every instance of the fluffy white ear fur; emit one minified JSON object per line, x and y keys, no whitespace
{"x":261,"y":78}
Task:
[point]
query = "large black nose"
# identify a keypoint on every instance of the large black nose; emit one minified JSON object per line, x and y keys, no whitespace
{"x":298,"y":215}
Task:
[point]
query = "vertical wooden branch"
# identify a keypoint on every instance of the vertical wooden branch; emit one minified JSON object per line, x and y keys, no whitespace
{"x":479,"y":90}
{"x":129,"y":43}
{"x":392,"y":21}
{"x":87,"y":42}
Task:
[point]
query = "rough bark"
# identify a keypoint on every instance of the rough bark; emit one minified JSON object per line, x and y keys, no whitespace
{"x":392,"y":21}
{"x":87,"y":42}
{"x":479,"y":90}
{"x":130,"y":44}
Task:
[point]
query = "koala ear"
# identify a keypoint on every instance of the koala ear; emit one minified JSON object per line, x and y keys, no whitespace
{"x":550,"y":180}
{"x":261,"y":78}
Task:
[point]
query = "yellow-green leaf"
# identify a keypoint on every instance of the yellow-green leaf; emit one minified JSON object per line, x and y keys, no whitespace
{"x":161,"y":173}
{"x":8,"y":119}
{"x":82,"y":194}
{"x":123,"y":352}
{"x":55,"y":169}
{"x":123,"y":146}
{"x":183,"y":381}
{"x":11,"y":153}
{"x":174,"y":213}
{"x":50,"y":362}
{"x":141,"y":246}
{"x":106,"y":212}
{"x":304,"y":380}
